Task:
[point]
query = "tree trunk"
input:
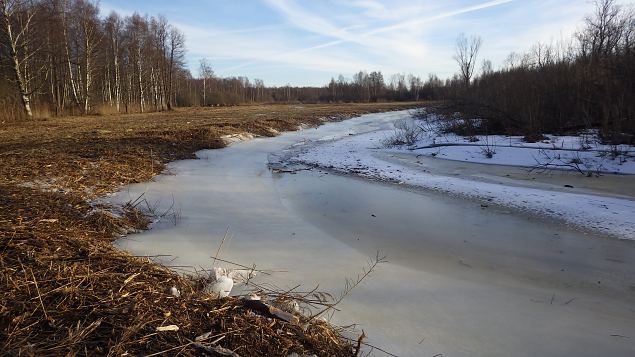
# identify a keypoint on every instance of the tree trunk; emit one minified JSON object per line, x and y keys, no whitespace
{"x":141,"y":103}
{"x":170,"y":70}
{"x":204,"y":101}
{"x":13,"y":54}
{"x":68,"y":60}
{"x":26,"y":101}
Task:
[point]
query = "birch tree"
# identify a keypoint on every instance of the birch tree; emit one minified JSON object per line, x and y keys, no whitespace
{"x":136,"y":29}
{"x":17,"y":28}
{"x":114,"y":28}
{"x":176,"y":57}
{"x":89,"y":39}
{"x":206,"y":73}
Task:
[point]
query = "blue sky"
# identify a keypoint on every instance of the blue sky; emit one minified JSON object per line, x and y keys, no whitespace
{"x":303,"y":42}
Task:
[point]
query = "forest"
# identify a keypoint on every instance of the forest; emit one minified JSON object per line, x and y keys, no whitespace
{"x":60,"y":57}
{"x":584,"y":82}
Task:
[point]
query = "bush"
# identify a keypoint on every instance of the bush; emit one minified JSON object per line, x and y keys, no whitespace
{"x":406,"y":133}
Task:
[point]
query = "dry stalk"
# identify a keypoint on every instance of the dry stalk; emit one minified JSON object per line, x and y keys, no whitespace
{"x":352,"y":284}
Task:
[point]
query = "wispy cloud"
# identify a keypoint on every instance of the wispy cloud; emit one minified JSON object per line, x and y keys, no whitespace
{"x":401,"y":38}
{"x":314,"y":23}
{"x":307,"y":42}
{"x":272,"y":47}
{"x":444,"y":15}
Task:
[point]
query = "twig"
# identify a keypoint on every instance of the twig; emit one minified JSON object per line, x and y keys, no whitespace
{"x":352,"y":285}
{"x":360,"y":340}
{"x":220,"y":246}
{"x":169,"y":349}
{"x":246,"y":267}
{"x":39,"y":295}
{"x":371,"y":346}
{"x":569,"y":301}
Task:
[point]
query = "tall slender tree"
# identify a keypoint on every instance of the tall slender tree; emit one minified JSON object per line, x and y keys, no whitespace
{"x":205,"y":72}
{"x":21,"y":45}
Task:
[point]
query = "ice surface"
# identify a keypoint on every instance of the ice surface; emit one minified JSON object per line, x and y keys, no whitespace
{"x":461,"y":280}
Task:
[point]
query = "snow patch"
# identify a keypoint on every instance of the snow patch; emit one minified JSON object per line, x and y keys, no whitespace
{"x":362,"y":155}
{"x":232,"y":138}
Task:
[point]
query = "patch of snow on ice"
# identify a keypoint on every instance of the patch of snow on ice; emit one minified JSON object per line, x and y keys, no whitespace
{"x":358,"y":155}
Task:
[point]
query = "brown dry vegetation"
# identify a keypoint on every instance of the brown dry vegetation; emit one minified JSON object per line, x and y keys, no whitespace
{"x":67,"y":290}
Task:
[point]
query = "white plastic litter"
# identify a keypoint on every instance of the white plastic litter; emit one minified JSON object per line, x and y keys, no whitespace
{"x":174,"y":291}
{"x":221,"y":280}
{"x":222,"y":286}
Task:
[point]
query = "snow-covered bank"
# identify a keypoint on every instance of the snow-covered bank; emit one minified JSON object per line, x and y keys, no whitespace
{"x":365,"y":155}
{"x":574,"y":153}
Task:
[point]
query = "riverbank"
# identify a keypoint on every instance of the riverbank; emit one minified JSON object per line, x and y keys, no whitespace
{"x":67,"y":289}
{"x":472,"y":167}
{"x":461,"y":280}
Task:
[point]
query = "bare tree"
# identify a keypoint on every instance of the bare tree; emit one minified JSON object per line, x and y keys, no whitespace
{"x":415,"y":84}
{"x":376,"y":83}
{"x":87,"y":15}
{"x":157,"y":51}
{"x":17,"y":28}
{"x":543,"y":55}
{"x":486,"y":67}
{"x":69,"y":61}
{"x":114,"y":26}
{"x":604,"y":29}
{"x":177,"y":53}
{"x":136,"y":30}
{"x":466,"y":53}
{"x":205,"y":72}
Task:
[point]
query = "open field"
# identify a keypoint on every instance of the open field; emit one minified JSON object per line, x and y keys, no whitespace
{"x":66,"y":289}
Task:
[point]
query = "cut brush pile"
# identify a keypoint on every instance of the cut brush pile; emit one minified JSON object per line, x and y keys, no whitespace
{"x":67,"y":290}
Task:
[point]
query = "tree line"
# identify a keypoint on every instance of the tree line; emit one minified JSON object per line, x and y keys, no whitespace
{"x":587,"y":81}
{"x":60,"y":57}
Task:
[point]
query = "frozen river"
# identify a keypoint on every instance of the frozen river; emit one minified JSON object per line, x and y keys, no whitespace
{"x":462,"y":280}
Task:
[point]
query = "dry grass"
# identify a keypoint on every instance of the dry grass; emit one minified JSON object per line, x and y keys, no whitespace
{"x":67,"y":290}
{"x":93,"y":155}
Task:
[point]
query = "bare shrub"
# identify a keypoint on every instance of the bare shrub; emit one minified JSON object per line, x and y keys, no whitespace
{"x":587,"y":140}
{"x":548,"y":161}
{"x":152,"y":210}
{"x":406,"y":133}
{"x":618,"y":152}
{"x":488,"y":148}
